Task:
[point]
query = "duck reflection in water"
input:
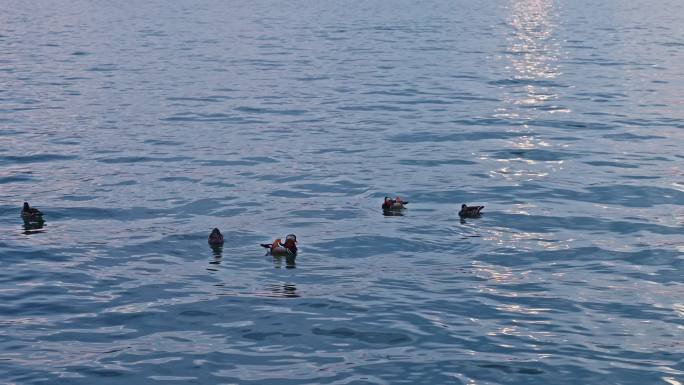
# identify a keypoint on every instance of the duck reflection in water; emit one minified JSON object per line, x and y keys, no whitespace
{"x":289,"y":262}
{"x":217,"y":254}
{"x":33,"y":226}
{"x":392,"y":213}
{"x":287,"y":290}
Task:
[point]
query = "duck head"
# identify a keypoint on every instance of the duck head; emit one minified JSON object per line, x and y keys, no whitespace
{"x":26,"y":207}
{"x":290,"y":241}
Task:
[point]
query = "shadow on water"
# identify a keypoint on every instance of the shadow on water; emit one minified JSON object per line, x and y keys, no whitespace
{"x":33,"y":226}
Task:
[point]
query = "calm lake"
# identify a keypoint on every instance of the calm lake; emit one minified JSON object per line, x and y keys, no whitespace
{"x":137,"y":127}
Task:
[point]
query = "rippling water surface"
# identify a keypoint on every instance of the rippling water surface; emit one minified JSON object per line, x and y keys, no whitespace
{"x":136,"y":127}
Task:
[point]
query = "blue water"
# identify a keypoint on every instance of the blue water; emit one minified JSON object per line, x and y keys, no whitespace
{"x":137,"y":127}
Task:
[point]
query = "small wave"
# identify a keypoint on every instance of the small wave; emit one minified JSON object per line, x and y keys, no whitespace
{"x":142,"y":159}
{"x":36,"y":158}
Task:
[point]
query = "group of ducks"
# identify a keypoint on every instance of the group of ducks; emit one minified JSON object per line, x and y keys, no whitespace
{"x":397,"y":204}
{"x":289,"y":248}
{"x":277,"y":248}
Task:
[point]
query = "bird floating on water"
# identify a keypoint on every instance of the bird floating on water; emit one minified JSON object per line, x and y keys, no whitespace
{"x":287,"y":249}
{"x":215,"y":238}
{"x":30,"y":213}
{"x":394,"y":204}
{"x":470,"y":211}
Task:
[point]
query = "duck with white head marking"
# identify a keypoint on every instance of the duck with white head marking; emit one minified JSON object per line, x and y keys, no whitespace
{"x":279,"y":249}
{"x":394,"y":204}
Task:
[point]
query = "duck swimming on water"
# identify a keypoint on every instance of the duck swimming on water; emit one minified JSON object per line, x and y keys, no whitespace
{"x":470,"y":211}
{"x":394,"y":204}
{"x":287,"y":249}
{"x":30,"y":213}
{"x":215,"y":238}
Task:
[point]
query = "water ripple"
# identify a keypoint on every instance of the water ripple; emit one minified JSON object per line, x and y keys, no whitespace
{"x":139,"y":127}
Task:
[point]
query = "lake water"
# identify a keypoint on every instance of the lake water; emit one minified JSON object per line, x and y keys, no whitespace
{"x":137,"y":127}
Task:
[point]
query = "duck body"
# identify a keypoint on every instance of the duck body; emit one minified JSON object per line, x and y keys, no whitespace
{"x":279,"y":249}
{"x":282,"y":251}
{"x":470,"y":211}
{"x":29,"y":213}
{"x":215,"y":238}
{"x":394,"y":204}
